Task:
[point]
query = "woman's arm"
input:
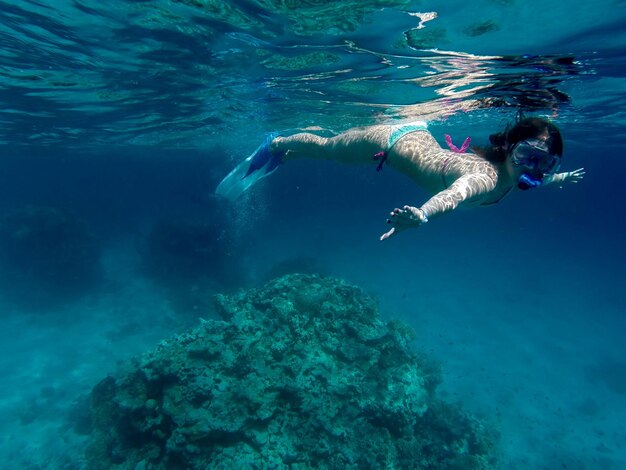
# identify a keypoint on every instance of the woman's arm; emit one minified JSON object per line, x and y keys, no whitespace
{"x":466,"y":187}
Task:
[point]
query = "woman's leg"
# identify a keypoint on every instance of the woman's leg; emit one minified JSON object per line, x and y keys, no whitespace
{"x":353,"y":146}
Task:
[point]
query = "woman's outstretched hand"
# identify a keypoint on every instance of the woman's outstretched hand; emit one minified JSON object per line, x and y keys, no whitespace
{"x":567,"y":177}
{"x":574,"y":176}
{"x":401,"y":219}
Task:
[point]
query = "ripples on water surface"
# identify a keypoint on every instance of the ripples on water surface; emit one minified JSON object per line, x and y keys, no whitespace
{"x":176,"y":73}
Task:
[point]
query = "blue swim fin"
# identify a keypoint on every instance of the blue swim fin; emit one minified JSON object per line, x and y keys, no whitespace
{"x":261,"y":163}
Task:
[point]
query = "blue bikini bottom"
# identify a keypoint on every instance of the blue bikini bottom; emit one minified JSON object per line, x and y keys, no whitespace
{"x":397,"y":133}
{"x":400,"y":131}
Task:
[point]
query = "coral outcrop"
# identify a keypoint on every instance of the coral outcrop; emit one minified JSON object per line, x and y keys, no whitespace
{"x":299,"y":374}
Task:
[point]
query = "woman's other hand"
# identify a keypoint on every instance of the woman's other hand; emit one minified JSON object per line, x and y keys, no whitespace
{"x":401,"y":219}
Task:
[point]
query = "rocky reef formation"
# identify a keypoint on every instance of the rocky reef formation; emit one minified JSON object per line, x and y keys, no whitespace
{"x":299,"y":374}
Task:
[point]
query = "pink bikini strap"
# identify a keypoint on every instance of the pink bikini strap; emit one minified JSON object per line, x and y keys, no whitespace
{"x":454,"y":148}
{"x":382,"y":156}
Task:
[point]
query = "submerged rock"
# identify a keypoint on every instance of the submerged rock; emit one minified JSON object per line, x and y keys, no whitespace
{"x":299,"y":374}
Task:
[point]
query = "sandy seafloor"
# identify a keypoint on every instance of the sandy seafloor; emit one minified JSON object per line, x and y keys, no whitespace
{"x":522,"y":302}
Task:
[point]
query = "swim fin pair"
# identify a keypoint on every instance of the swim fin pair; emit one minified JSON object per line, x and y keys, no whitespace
{"x":260,"y":164}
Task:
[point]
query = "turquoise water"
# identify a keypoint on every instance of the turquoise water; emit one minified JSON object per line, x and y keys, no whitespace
{"x":118,"y":119}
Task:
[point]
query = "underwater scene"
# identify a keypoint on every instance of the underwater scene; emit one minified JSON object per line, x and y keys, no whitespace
{"x":164,"y":305}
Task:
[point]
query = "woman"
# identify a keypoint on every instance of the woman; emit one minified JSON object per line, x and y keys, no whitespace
{"x":524,"y":156}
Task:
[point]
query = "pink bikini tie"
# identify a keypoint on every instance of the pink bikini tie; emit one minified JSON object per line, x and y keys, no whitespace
{"x":454,"y":148}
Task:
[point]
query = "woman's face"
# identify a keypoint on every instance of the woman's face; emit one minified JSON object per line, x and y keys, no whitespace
{"x":530,"y":160}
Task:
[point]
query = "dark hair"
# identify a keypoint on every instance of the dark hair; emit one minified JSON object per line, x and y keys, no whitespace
{"x":524,"y":128}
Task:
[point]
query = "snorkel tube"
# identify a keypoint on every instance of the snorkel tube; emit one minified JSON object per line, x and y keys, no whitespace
{"x":526,"y":182}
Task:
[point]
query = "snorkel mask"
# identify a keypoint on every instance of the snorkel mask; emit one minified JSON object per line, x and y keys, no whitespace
{"x":534,"y":155}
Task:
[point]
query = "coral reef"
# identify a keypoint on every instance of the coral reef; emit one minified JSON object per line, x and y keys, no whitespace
{"x":303,"y":17}
{"x":301,"y":373}
{"x":300,"y":62}
{"x":307,"y":17}
{"x":47,"y":255}
{"x":426,"y":38}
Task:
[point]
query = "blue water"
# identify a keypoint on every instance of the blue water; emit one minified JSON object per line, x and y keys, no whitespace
{"x":118,"y":119}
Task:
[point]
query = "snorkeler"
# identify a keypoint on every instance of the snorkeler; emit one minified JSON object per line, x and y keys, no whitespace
{"x":523,"y":156}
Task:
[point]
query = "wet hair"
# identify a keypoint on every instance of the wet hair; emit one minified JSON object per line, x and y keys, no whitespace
{"x":522,"y":129}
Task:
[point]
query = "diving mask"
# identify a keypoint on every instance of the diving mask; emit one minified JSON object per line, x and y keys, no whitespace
{"x":534,"y":155}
